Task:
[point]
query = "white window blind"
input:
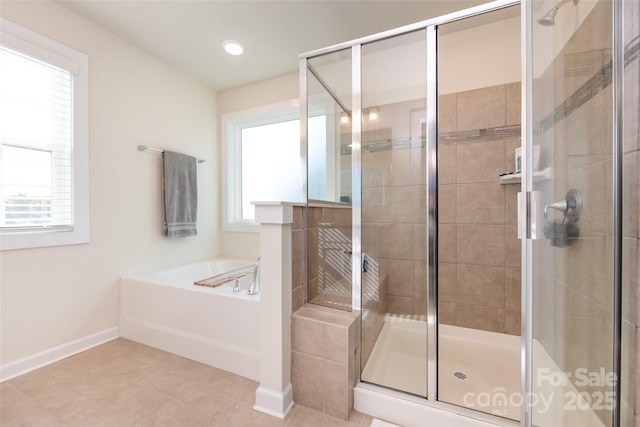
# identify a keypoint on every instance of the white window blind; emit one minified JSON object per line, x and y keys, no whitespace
{"x":44,"y":141}
{"x":36,"y":122}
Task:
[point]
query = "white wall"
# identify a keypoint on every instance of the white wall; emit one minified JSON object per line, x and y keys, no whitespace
{"x":483,"y":56}
{"x":549,"y":41}
{"x":247,"y":245}
{"x":51,"y":296}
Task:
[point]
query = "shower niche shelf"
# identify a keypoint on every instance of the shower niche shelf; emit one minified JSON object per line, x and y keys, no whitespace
{"x":516,"y":178}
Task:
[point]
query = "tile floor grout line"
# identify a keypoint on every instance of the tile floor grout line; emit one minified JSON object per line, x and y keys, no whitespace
{"x":123,"y":383}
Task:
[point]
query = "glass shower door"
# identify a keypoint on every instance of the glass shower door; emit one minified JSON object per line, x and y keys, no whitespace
{"x":394,"y":273}
{"x":329,"y":192}
{"x":569,"y":168}
{"x":479,"y":261}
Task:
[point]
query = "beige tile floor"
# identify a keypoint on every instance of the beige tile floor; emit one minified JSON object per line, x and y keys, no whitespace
{"x":123,"y":383}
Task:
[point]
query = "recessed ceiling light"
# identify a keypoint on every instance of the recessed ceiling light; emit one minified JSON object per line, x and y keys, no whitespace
{"x":233,"y":47}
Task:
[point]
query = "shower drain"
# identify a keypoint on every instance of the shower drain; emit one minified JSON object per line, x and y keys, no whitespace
{"x":460,"y":376}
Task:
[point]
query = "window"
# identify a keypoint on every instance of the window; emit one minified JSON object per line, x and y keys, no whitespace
{"x":262,"y":150}
{"x":43,"y":141}
{"x":269,"y":151}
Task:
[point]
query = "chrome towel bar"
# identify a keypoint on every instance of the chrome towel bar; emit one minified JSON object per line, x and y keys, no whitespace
{"x":144,"y":148}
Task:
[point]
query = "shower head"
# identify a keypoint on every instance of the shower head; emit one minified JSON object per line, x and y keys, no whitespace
{"x":549,"y":18}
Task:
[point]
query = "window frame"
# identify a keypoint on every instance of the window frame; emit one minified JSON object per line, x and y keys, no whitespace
{"x":232,"y":125}
{"x":37,"y":46}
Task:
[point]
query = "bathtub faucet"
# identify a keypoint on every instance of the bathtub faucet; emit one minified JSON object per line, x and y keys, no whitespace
{"x":254,"y":289}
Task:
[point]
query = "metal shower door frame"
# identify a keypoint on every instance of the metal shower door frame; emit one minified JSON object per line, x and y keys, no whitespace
{"x":527,"y":207}
{"x":431,"y":27}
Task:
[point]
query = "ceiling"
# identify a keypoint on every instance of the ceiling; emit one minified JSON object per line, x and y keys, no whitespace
{"x":189,"y":34}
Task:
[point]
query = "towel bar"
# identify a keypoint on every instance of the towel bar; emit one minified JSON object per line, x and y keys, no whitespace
{"x":144,"y":147}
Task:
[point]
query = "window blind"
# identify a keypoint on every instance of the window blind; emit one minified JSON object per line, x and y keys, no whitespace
{"x":36,"y":143}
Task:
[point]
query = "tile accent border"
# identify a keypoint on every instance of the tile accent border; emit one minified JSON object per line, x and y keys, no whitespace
{"x":480,"y":135}
{"x":449,"y":138}
{"x":599,"y":81}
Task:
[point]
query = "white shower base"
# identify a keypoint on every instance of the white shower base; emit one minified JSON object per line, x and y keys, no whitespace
{"x":472,"y":362}
{"x":399,"y":356}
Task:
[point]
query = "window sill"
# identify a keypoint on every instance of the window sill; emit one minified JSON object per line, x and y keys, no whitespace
{"x":43,"y":237}
{"x":242,"y":227}
{"x":32,"y":230}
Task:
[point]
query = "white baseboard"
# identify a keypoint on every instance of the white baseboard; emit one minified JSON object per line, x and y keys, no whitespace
{"x":274,"y":403}
{"x":46,"y":357}
{"x":379,"y":423}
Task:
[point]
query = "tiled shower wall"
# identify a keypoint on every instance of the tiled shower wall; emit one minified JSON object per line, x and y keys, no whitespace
{"x":394,"y":206}
{"x":299,"y":251}
{"x":329,"y":255}
{"x":329,"y":260}
{"x":479,"y":252}
{"x":393,"y":217}
{"x":323,"y":341}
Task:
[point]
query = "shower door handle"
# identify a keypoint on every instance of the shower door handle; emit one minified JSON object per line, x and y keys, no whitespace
{"x":530,"y":219}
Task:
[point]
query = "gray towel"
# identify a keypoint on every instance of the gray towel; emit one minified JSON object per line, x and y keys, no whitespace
{"x":180,"y":184}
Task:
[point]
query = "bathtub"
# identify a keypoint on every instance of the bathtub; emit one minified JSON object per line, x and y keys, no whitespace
{"x":215,"y":326}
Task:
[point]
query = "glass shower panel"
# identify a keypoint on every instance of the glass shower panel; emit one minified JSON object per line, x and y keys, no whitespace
{"x":479,"y":252}
{"x":329,"y":180}
{"x":572,"y":177}
{"x":394,"y":282}
{"x":630,"y":307}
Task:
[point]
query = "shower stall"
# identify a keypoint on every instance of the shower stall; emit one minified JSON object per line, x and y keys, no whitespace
{"x":463,"y":197}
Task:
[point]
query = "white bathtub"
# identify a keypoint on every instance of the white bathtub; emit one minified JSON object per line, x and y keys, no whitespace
{"x":215,"y":326}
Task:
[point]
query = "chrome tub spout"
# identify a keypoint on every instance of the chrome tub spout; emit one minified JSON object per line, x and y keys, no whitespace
{"x":254,"y":289}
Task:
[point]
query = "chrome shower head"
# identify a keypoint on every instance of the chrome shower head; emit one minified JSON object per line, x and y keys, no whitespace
{"x":549,"y":18}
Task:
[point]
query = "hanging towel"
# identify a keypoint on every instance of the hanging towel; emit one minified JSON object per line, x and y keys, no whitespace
{"x":180,"y":185}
